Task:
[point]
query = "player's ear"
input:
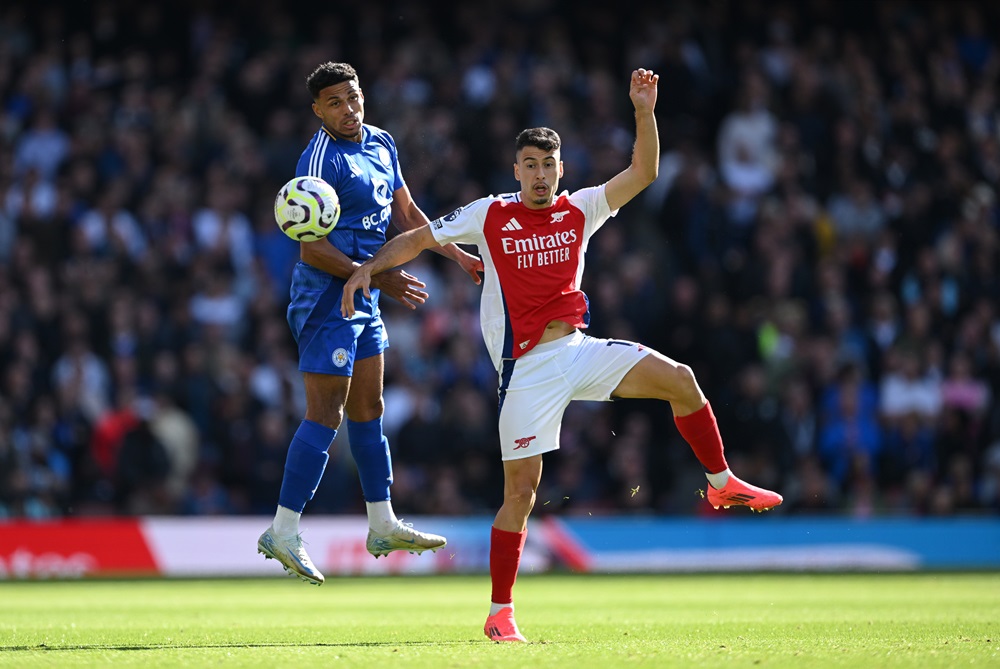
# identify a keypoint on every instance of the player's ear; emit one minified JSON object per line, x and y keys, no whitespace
{"x":560,"y":169}
{"x":517,"y":172}
{"x":316,"y":110}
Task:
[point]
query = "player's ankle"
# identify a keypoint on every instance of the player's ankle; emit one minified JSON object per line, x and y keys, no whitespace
{"x":286,"y":522}
{"x":381,"y":519}
{"x":720,"y":479}
{"x":497,"y":608}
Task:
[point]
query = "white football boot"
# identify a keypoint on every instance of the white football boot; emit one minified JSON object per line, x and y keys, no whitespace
{"x":290,"y":553}
{"x":403,"y":538}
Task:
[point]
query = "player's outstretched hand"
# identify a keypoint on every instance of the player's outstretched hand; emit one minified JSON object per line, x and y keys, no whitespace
{"x":472,"y":265}
{"x":401,"y":286}
{"x":642,"y":89}
{"x":395,"y":283}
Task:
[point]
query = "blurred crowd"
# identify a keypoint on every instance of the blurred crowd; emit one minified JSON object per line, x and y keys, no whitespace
{"x":822,"y":247}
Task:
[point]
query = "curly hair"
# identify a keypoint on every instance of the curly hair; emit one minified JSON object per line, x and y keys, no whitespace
{"x":329,"y":74}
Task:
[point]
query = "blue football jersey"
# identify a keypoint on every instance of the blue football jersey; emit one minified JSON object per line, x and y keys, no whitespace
{"x":365,"y":175}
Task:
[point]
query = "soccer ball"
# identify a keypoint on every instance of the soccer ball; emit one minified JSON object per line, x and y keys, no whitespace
{"x":307,"y":209}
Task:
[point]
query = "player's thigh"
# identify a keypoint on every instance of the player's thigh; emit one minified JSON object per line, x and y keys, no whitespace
{"x":657,"y":377}
{"x":595,"y":367}
{"x":325,"y":397}
{"x":364,"y":402}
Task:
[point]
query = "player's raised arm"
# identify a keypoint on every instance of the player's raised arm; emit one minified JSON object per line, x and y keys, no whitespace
{"x":398,"y":250}
{"x":646,"y":154}
{"x":406,"y":216}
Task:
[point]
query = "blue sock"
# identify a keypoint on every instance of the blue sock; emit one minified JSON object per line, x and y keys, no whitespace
{"x":305,"y":464}
{"x":371,"y":453}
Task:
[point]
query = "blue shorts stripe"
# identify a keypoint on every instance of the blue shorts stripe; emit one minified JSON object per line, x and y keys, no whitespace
{"x":506,"y":372}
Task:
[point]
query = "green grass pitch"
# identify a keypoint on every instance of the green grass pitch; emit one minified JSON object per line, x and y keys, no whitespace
{"x":752,"y":620}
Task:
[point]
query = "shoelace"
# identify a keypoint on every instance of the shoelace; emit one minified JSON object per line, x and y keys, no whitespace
{"x":300,"y":545}
{"x":409,"y":527}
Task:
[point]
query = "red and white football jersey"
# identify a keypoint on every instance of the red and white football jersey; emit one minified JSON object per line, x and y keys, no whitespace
{"x":533,"y":260}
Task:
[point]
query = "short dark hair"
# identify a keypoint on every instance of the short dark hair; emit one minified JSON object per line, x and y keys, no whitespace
{"x":329,"y":74}
{"x":545,"y":139}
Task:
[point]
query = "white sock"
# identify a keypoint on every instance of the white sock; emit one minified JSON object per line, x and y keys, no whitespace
{"x":381,"y":519}
{"x":286,"y":522}
{"x":719,"y":480}
{"x":496,"y":608}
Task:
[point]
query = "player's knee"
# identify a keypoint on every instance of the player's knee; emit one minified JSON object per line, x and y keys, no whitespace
{"x":327,"y":416}
{"x":362,"y":412}
{"x":521,"y":494}
{"x":683,"y":383}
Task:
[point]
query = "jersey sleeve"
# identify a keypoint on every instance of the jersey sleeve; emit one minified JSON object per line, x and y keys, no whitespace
{"x":464,"y":225}
{"x":593,"y":202}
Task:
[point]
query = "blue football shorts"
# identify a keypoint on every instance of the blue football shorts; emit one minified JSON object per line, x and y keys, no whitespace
{"x":329,"y":343}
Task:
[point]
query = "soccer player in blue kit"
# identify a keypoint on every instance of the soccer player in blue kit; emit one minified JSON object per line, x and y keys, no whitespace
{"x":341,"y":358}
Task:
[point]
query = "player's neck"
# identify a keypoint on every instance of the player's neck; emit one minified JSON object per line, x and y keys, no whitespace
{"x":345,"y":138}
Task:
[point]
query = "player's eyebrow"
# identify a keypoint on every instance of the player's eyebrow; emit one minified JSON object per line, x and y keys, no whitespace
{"x":338,"y":96}
{"x":550,"y":156}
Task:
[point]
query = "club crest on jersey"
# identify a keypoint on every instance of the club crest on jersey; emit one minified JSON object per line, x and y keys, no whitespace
{"x":339,"y":357}
{"x":523,"y":442}
{"x":558,"y":216}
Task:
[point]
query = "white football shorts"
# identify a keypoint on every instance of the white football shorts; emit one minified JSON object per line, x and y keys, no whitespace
{"x":536,"y":388}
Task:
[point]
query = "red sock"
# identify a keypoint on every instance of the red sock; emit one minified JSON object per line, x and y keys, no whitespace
{"x":505,"y":556}
{"x":701,"y":432}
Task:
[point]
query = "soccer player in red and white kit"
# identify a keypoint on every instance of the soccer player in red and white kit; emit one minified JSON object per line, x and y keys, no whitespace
{"x":532,"y":312}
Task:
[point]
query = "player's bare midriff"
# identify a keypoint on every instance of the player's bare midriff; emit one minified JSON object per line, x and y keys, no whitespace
{"x":556,"y":330}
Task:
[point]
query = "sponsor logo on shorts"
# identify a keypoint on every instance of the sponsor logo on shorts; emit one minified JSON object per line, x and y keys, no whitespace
{"x":339,"y":357}
{"x":523,"y":442}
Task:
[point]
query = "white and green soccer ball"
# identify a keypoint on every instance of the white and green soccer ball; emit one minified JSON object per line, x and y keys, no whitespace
{"x":307,"y":209}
